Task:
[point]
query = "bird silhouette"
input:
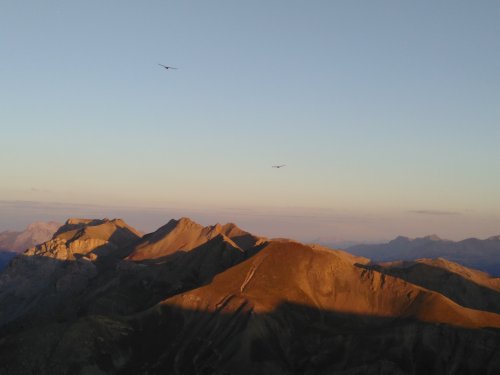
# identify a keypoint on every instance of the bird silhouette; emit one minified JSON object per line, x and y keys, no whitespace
{"x":279,"y":166}
{"x":167,"y":67}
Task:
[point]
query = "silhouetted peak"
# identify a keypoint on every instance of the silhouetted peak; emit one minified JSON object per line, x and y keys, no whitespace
{"x":400,"y":239}
{"x":403,"y":239}
{"x":432,"y":237}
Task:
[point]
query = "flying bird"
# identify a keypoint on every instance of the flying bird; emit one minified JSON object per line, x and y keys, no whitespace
{"x":279,"y":166}
{"x":167,"y":67}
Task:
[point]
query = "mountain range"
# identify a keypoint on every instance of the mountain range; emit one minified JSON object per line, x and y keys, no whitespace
{"x":12,"y":242}
{"x":471,"y":252}
{"x":100,"y":297}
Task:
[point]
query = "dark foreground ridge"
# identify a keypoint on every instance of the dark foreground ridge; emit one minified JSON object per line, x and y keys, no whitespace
{"x":100,"y":298}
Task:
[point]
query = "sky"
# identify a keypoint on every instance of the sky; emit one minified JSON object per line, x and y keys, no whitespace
{"x":386,"y":114}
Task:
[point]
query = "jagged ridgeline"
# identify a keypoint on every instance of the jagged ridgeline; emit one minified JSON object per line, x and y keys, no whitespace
{"x":471,"y":252}
{"x":102,"y":298}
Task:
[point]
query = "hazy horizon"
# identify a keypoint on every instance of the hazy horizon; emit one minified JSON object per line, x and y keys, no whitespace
{"x":308,"y":225}
{"x":385,"y":113}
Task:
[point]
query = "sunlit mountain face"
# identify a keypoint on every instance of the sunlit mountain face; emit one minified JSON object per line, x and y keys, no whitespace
{"x":101,"y":297}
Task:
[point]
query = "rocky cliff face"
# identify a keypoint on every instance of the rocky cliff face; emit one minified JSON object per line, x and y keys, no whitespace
{"x":187,"y":299}
{"x":39,"y":282}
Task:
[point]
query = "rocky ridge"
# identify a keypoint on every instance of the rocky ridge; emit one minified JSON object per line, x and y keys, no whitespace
{"x":101,"y":298}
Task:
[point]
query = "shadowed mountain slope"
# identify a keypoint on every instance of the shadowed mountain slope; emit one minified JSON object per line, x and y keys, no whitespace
{"x":329,"y":281}
{"x":188,"y":299}
{"x":132,"y":286}
{"x":40,"y":280}
{"x":82,"y":269}
{"x":293,"y":309}
{"x":467,"y":287}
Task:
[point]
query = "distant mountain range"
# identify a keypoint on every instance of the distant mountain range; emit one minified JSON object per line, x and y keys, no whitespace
{"x":12,"y":243}
{"x":101,"y":298}
{"x":472,"y":252}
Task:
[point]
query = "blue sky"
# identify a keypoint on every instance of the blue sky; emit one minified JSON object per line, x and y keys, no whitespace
{"x":387,"y":110}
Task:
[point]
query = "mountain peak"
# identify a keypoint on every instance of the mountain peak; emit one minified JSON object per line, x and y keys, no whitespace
{"x":401,"y":239}
{"x":230,"y":226}
{"x":77,"y":223}
{"x":185,"y":222}
{"x":237,"y":309}
{"x":34,"y":234}
{"x":404,"y":239}
{"x":182,"y":224}
{"x":432,"y":237}
{"x":185,"y":234}
{"x":37,"y":225}
{"x":88,"y":237}
{"x":323,"y":279}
